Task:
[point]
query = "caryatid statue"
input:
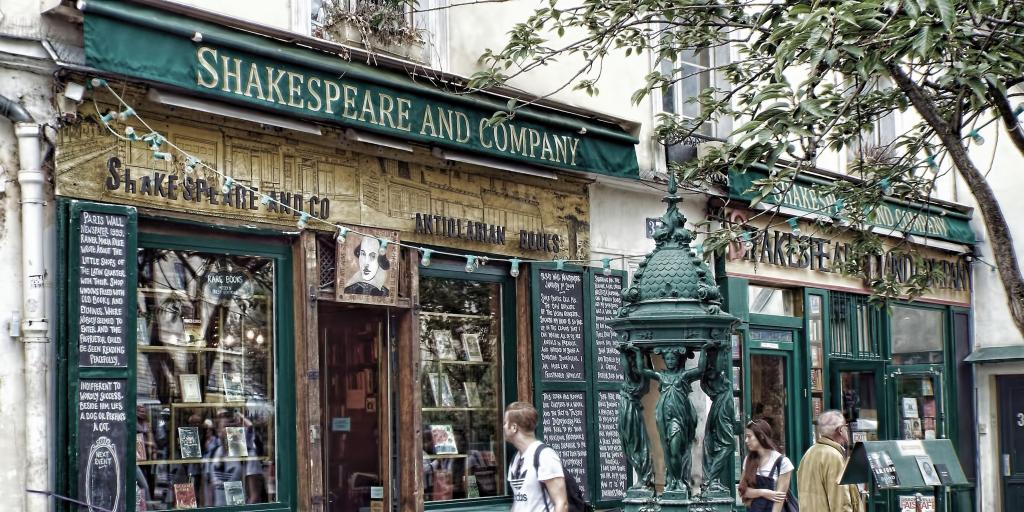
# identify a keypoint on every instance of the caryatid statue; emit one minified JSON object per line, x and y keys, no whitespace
{"x":632,"y":431}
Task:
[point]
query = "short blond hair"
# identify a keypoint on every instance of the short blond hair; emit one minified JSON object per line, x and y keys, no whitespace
{"x":522,"y":414}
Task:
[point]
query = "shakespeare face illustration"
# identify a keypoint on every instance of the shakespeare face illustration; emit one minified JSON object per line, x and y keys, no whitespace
{"x":369,"y":250}
{"x":371,"y":269}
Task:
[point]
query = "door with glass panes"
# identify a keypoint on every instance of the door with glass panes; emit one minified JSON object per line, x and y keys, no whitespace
{"x":773,"y":384}
{"x":917,"y":336}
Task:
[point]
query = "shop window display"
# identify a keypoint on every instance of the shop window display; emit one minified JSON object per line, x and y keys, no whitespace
{"x":918,"y":407}
{"x":205,"y":380}
{"x":463,"y":446}
{"x":816,"y":349}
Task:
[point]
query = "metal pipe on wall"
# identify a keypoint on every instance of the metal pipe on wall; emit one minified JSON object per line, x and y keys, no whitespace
{"x":35,"y":324}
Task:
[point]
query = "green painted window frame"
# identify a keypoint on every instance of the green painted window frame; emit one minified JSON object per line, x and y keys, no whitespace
{"x":450,"y":269}
{"x":69,"y":373}
{"x":590,"y":386}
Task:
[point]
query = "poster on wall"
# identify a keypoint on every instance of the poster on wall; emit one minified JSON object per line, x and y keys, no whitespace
{"x":368,"y":267}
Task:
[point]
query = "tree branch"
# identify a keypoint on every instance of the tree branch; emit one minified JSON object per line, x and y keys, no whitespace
{"x":995,"y":222}
{"x":1009,"y":119}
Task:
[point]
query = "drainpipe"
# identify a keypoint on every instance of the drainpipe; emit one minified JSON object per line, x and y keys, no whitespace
{"x":34,"y":326}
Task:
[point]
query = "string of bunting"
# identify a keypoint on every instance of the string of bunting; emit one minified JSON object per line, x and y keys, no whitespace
{"x":156,"y":143}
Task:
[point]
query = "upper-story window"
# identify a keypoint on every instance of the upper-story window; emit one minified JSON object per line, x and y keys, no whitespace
{"x":875,"y":143}
{"x":692,"y":75}
{"x":416,"y":32}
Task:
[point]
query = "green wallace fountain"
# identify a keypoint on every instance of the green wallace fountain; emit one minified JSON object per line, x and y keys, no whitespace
{"x":673,"y":309}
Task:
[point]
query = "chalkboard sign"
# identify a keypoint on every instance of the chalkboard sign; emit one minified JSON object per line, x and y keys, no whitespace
{"x":560,"y":317}
{"x":102,"y":429}
{"x":564,"y":422}
{"x":611,"y":459}
{"x":607,"y":301}
{"x":103,"y":289}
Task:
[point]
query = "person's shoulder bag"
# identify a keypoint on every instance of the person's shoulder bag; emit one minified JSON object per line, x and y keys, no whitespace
{"x":790,"y":505}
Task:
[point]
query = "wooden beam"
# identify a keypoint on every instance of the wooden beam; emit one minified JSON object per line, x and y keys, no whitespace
{"x":524,"y":336}
{"x":307,"y":377}
{"x":410,"y":400}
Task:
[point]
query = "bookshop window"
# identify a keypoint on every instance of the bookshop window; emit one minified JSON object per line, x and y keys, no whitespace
{"x":460,"y":350}
{"x":205,"y":380}
{"x":916,"y":335}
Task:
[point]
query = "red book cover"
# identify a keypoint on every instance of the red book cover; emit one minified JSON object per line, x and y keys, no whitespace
{"x":184,"y":495}
{"x":927,"y":407}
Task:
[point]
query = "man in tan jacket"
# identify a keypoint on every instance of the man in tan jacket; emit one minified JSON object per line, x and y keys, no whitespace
{"x":818,"y":476}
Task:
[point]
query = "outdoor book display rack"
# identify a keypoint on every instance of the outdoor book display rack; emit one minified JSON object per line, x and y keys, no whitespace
{"x":916,"y":471}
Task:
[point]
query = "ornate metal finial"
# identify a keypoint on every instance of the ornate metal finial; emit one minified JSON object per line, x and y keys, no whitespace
{"x":673,"y":224}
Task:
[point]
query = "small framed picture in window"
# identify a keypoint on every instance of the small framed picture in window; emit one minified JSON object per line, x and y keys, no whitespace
{"x":368,"y":266}
{"x":471,"y":345}
{"x":190,"y":392}
{"x":443,"y":345}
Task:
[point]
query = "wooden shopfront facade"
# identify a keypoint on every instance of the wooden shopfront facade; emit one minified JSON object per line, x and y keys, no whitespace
{"x":225,"y":344}
{"x":811,"y":340}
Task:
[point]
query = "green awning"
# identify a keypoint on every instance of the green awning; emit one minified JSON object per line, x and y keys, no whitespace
{"x":242,"y":67}
{"x":996,"y":354}
{"x":930,"y":221}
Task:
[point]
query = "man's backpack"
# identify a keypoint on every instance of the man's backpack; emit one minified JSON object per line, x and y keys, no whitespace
{"x":572,"y":487}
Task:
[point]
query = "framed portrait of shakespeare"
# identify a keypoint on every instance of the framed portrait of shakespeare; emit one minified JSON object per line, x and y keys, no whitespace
{"x":368,"y":266}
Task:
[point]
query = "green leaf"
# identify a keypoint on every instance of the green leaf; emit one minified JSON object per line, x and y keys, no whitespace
{"x":946,"y":12}
{"x":511,"y":104}
{"x":853,"y":50}
{"x":922,"y":42}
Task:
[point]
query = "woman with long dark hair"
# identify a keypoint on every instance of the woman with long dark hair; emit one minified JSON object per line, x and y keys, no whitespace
{"x":766,"y":472}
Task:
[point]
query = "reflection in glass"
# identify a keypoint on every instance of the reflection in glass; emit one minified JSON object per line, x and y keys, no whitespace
{"x":764,"y":300}
{"x":916,"y":335}
{"x":205,"y":399}
{"x":768,"y":394}
{"x":860,"y":404}
{"x":460,"y":352}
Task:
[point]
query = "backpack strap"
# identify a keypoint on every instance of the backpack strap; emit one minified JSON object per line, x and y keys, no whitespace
{"x":776,"y":468}
{"x":536,"y":471}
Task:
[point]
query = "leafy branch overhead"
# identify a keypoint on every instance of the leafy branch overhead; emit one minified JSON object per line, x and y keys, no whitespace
{"x":810,"y":79}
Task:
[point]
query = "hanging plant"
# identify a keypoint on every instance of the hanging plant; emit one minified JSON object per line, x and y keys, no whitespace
{"x":380,"y":23}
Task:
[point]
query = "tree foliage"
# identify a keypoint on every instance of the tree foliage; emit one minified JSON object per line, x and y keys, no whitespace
{"x":809,"y":78}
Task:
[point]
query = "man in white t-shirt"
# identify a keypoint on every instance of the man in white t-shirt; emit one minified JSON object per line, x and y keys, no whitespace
{"x":540,"y":489}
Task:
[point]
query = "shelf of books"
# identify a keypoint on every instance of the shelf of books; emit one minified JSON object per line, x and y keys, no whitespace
{"x":737,"y":401}
{"x":816,"y":353}
{"x":917,"y":406}
{"x":462,"y":390}
{"x":204,"y":381}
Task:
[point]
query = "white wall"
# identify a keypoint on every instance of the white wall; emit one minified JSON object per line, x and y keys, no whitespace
{"x":476,"y":28}
{"x":275,"y":13}
{"x":22,"y":77}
